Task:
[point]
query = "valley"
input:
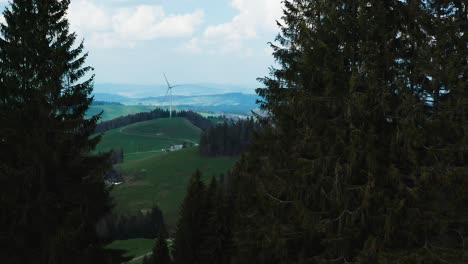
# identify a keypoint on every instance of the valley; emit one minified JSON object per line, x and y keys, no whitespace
{"x":154,"y":176}
{"x":225,"y":104}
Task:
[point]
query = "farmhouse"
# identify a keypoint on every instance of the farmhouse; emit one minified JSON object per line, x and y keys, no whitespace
{"x":176,"y":147}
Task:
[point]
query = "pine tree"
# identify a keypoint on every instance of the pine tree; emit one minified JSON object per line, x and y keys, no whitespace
{"x":52,"y":188}
{"x":217,"y":239}
{"x":160,"y":254}
{"x":192,"y":223}
{"x":353,"y":160}
{"x":207,"y":231}
{"x":433,"y":129}
{"x":161,"y":251}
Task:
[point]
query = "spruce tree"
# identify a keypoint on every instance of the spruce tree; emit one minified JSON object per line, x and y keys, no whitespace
{"x":192,"y":223}
{"x":52,"y":188}
{"x":217,"y":239}
{"x":361,"y":155}
{"x":161,"y":251}
{"x":160,"y":254}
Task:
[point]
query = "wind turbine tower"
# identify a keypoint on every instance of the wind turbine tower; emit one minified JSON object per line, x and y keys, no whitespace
{"x":169,"y":92}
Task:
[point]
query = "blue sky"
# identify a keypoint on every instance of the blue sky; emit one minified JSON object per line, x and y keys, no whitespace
{"x":192,"y":41}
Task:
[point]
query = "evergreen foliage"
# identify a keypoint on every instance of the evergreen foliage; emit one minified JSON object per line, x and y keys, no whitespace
{"x":116,"y":226}
{"x":362,"y":157}
{"x":52,"y":191}
{"x":227,"y":139}
{"x":160,"y":254}
{"x":204,"y":231}
{"x":191,"y":223}
{"x":217,"y":238}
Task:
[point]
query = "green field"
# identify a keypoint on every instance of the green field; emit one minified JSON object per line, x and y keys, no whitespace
{"x":134,"y":247}
{"x":112,"y":111}
{"x":156,"y":177}
{"x":149,"y":137}
{"x":162,"y":180}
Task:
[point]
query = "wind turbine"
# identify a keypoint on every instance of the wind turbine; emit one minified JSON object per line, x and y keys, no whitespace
{"x":169,"y":92}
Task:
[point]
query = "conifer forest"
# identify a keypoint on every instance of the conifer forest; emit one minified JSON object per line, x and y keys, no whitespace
{"x":357,"y":153}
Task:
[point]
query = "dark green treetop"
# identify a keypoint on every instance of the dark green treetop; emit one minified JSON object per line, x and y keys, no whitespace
{"x":363,"y":151}
{"x":52,"y":187}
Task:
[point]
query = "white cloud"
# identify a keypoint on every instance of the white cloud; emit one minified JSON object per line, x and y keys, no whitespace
{"x":86,"y":16}
{"x":105,"y":26}
{"x":149,"y":22}
{"x":237,"y":29}
{"x":2,"y":20}
{"x":255,"y":17}
{"x":193,"y":47}
{"x":259,"y":13}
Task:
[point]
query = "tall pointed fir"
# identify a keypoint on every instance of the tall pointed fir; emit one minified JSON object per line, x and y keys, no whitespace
{"x":362,"y":157}
{"x":192,"y":223}
{"x":160,"y":253}
{"x":216,"y":243}
{"x":52,"y":188}
{"x":433,"y":137}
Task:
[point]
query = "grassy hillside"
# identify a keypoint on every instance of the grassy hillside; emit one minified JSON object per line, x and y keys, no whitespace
{"x":147,"y":138}
{"x":162,"y":179}
{"x":112,"y":111}
{"x":134,"y":247}
{"x":153,"y":176}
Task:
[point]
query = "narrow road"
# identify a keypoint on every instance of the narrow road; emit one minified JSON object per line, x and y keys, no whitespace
{"x":140,"y":152}
{"x":140,"y":257}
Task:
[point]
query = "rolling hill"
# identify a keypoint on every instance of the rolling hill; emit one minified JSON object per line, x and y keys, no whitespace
{"x":162,"y":180}
{"x":111,"y":111}
{"x":227,"y":103}
{"x":134,"y":247}
{"x":149,"y":137}
{"x":156,"y":177}
{"x":140,"y":91}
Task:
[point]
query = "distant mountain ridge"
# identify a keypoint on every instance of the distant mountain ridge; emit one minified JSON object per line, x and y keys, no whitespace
{"x":141,"y":91}
{"x":233,"y":103}
{"x":111,"y":98}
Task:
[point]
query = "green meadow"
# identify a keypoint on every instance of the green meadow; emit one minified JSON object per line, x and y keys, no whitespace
{"x":111,"y":111}
{"x":149,"y":137}
{"x":156,"y":177}
{"x":162,"y":180}
{"x":134,"y":247}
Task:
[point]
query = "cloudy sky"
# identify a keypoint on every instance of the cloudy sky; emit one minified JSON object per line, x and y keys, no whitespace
{"x":193,"y":41}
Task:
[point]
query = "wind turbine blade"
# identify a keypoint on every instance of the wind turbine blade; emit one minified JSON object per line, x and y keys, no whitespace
{"x":167,"y":93}
{"x":168,"y":84}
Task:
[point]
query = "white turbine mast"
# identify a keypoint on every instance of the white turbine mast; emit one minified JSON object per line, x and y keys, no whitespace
{"x":169,"y":92}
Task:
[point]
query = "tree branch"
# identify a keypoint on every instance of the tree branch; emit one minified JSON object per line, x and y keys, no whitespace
{"x":278,"y":200}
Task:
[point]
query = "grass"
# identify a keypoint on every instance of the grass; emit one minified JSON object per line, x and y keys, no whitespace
{"x":143,"y":155}
{"x":134,"y":247}
{"x":162,"y":180}
{"x":138,"y":248}
{"x":147,"y":136}
{"x":112,"y":111}
{"x":155,"y":177}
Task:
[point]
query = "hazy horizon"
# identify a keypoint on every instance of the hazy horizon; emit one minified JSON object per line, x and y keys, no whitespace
{"x":184,"y":89}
